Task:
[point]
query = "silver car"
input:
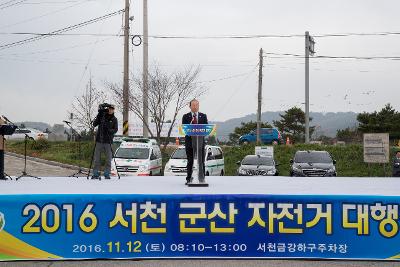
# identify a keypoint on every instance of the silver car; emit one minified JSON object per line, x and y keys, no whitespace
{"x":33,"y":134}
{"x":257,"y":165}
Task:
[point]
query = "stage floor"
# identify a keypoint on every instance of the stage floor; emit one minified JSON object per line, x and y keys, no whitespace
{"x":217,"y":185}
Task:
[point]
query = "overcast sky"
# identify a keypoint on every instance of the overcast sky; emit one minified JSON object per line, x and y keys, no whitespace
{"x":39,"y":80}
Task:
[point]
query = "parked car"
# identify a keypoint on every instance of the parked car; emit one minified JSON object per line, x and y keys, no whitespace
{"x":33,"y":134}
{"x":312,"y":164}
{"x":213,"y":161}
{"x":137,"y":159}
{"x":267,"y":135}
{"x":257,"y":165}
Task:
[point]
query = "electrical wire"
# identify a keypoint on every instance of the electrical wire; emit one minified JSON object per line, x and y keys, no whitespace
{"x":53,"y":2}
{"x":11,"y":4}
{"x":69,"y":28}
{"x":43,"y":15}
{"x":254,"y":36}
{"x":235,"y":91}
{"x":91,"y":55}
{"x":334,"y":57}
{"x":227,"y":78}
{"x":54,"y":50}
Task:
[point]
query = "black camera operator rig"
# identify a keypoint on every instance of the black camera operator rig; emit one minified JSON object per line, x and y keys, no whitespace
{"x":102,"y":111}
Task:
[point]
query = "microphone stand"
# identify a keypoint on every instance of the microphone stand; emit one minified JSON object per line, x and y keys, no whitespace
{"x":24,"y":173}
{"x":80,"y":170}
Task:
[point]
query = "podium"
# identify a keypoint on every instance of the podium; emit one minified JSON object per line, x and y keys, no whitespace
{"x":198,"y":132}
{"x":5,"y":129}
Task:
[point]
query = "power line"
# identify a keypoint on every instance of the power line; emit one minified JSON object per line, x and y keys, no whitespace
{"x":334,"y":57}
{"x":69,"y":28}
{"x":7,"y":3}
{"x":235,"y":91}
{"x":90,"y":54}
{"x":255,"y":36}
{"x":258,"y":36}
{"x":227,"y":78}
{"x":55,"y":50}
{"x":60,"y":34}
{"x":53,"y":2}
{"x":11,"y":4}
{"x":44,"y":15}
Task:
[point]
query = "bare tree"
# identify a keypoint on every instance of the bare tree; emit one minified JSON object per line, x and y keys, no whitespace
{"x":85,"y":107}
{"x":168,"y":92}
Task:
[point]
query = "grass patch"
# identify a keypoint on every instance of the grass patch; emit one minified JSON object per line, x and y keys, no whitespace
{"x":349,"y":158}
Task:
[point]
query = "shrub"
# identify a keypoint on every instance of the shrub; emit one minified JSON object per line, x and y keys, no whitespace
{"x":41,"y":144}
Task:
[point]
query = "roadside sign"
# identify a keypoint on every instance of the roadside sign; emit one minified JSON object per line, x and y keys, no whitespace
{"x":376,"y":148}
{"x":265,"y":151}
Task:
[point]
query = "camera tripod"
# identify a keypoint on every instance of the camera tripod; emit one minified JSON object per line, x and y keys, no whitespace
{"x":4,"y":177}
{"x":80,"y":169}
{"x":102,"y":113}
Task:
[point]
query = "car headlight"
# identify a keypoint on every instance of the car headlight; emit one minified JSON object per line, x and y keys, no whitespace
{"x":143,"y":168}
{"x":271,"y":172}
{"x":167,"y":167}
{"x":330,"y":171}
{"x":297,"y":169}
{"x":242,"y":171}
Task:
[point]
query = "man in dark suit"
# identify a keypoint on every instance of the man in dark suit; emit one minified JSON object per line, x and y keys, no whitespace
{"x":193,"y":117}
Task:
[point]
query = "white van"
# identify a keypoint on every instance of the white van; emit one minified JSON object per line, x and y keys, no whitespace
{"x":137,"y":159}
{"x":214,"y":162}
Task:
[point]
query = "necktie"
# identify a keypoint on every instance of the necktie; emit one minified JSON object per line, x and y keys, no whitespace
{"x":194,"y":121}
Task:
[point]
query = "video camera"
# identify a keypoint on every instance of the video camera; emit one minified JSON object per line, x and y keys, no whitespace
{"x":104,"y":107}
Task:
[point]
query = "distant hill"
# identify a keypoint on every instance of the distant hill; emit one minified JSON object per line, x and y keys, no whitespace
{"x":326,"y":123}
{"x":41,"y":126}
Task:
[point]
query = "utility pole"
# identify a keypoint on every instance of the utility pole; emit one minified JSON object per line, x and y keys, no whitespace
{"x":309,"y":50}
{"x":145,"y":71}
{"x":260,"y":76}
{"x":125,"y":94}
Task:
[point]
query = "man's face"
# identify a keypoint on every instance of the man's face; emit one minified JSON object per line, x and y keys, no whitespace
{"x":398,"y":154}
{"x":110,"y":111}
{"x":194,"y":106}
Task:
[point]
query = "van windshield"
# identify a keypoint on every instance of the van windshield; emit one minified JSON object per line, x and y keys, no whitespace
{"x":180,"y":153}
{"x":132,"y":153}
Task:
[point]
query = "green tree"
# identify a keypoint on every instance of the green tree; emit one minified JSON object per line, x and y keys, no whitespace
{"x":349,"y":135}
{"x":211,"y":140}
{"x":292,"y":124}
{"x":387,"y":120}
{"x":245,"y":128}
{"x":327,"y":140}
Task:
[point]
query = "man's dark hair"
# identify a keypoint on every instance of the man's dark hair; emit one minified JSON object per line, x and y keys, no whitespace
{"x":190,"y":103}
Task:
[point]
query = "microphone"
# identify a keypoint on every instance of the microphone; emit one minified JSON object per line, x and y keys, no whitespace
{"x":6,"y":118}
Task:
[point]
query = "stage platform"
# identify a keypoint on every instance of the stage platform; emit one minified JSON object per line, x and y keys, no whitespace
{"x":218,"y":185}
{"x":235,"y":217}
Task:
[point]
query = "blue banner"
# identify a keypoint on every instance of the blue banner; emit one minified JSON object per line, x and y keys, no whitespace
{"x":172,"y":226}
{"x":197,"y":129}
